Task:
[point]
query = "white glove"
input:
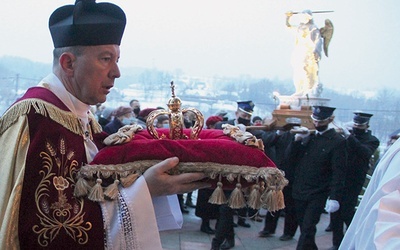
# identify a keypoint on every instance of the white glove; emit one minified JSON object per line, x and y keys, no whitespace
{"x":346,"y":132}
{"x":345,"y":129}
{"x":301,"y":133}
{"x":332,"y":206}
{"x":242,"y":127}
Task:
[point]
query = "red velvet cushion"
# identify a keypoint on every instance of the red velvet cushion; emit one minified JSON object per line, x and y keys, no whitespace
{"x":212,"y":146}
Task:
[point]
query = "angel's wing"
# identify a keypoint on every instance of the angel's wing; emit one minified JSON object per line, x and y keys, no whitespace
{"x":326,"y":33}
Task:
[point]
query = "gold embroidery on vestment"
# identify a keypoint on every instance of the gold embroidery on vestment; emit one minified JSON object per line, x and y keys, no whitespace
{"x":63,"y":214}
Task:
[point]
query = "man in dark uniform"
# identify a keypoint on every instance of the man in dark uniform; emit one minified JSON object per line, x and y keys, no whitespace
{"x":275,"y":145}
{"x":205,"y":210}
{"x":224,"y":232}
{"x":319,"y":164}
{"x":243,"y":115}
{"x":361,"y":145}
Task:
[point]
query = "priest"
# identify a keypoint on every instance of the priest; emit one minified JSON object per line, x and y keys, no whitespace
{"x":49,"y":134}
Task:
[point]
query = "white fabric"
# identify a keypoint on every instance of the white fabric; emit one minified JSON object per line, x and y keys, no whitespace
{"x":136,"y":227}
{"x":331,"y":206}
{"x":168,"y":215}
{"x":133,"y":229}
{"x":76,"y":106}
{"x":376,"y":224}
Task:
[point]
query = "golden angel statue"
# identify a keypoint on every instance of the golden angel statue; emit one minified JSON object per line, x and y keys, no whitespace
{"x":307,"y":52}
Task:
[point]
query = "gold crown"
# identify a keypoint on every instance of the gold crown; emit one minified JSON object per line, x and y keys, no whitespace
{"x":175,"y":117}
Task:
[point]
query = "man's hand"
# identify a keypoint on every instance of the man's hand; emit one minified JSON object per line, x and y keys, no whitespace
{"x":241,"y":127}
{"x":332,"y":206}
{"x":161,"y":183}
{"x":301,"y":133}
{"x":346,"y":132}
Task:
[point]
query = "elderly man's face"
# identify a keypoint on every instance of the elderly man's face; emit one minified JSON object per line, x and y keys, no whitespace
{"x":94,"y":73}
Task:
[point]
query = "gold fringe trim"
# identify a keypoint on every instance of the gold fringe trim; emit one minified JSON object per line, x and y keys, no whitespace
{"x":111,"y":191}
{"x":65,"y":118}
{"x":218,"y":196}
{"x":96,"y":193}
{"x":129,"y":180}
{"x":273,"y":200}
{"x":94,"y":124}
{"x":82,"y":188}
{"x":255,"y":197}
{"x":237,"y":200}
{"x":266,"y":193}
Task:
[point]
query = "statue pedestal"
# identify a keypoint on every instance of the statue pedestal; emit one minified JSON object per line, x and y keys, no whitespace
{"x":296,"y":102}
{"x":296,"y":107}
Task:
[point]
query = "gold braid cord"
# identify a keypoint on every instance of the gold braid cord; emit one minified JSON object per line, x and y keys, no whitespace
{"x":242,"y":137}
{"x":269,"y":180}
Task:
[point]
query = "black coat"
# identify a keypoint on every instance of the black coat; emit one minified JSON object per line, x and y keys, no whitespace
{"x":318,"y":166}
{"x":113,"y":126}
{"x":281,"y":145}
{"x":218,"y":125}
{"x":103,"y":122}
{"x":204,"y":209}
{"x":360,"y":149}
{"x":269,"y":139}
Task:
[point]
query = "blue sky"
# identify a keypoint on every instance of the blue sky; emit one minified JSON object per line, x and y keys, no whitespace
{"x":231,"y":37}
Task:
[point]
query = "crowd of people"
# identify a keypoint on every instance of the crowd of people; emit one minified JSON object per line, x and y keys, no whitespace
{"x":51,"y":131}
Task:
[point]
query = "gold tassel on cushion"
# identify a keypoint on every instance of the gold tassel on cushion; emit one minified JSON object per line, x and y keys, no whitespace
{"x":273,"y":200}
{"x":237,"y":200}
{"x":112,"y":190}
{"x":255,"y":197}
{"x":218,"y":196}
{"x":82,"y":187}
{"x":280,"y":199}
{"x":267,"y":200}
{"x":129,"y":180}
{"x":96,"y":193}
